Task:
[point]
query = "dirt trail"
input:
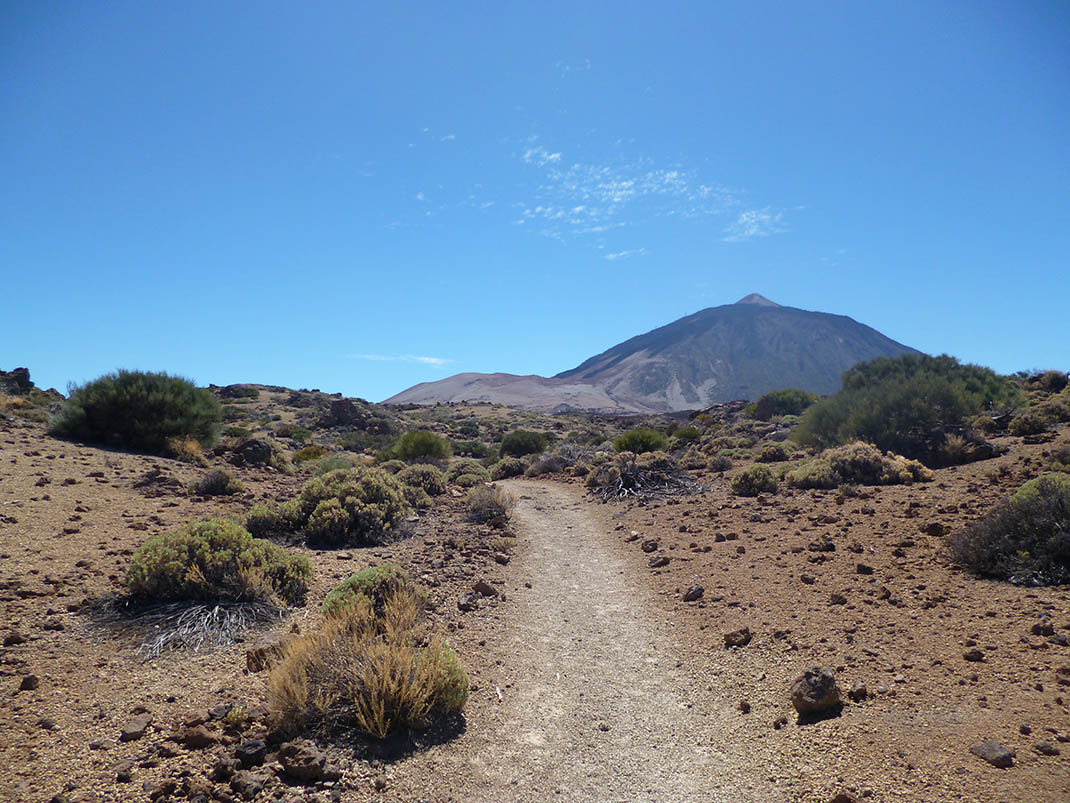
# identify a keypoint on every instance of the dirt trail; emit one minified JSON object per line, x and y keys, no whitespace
{"x":593,"y":705}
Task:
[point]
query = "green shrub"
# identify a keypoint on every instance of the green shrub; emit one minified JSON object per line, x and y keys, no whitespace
{"x":789,"y":401}
{"x":239,"y":433}
{"x":394,"y":467}
{"x":416,"y":497}
{"x":682,"y":437}
{"x":753,"y":480}
{"x":464,"y":466}
{"x":427,"y":477}
{"x":719,"y":463}
{"x":469,"y":480}
{"x":487,"y":505}
{"x":904,"y":405}
{"x":507,"y":467}
{"x":856,"y":463}
{"x":333,"y":462}
{"x":471,"y":449}
{"x":294,"y":432}
{"x":139,"y":410}
{"x":313,"y":452}
{"x":521,"y":443}
{"x":468,"y":429}
{"x":348,"y":507}
{"x":215,"y":559}
{"x":218,"y":482}
{"x":1024,"y":540}
{"x":421,"y":446}
{"x":773,"y":453}
{"x":1059,"y":460}
{"x":641,"y":439}
{"x":1027,"y":424}
{"x":376,"y":584}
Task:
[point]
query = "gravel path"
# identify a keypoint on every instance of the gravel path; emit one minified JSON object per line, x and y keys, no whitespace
{"x":594,"y":706}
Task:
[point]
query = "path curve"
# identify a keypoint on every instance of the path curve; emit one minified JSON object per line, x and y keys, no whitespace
{"x":594,"y":707}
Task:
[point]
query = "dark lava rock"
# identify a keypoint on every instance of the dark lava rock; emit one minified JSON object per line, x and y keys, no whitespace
{"x":197,"y":737}
{"x":136,"y":727}
{"x":738,"y":638}
{"x":251,"y":753}
{"x":469,"y":602}
{"x":305,"y":762}
{"x":994,"y":753}
{"x":484,"y":588}
{"x":694,"y":593}
{"x":1046,"y":748}
{"x":657,"y":561}
{"x":650,"y":545}
{"x":974,"y":656}
{"x":815,"y":691}
{"x":29,"y":683}
{"x":858,"y":692}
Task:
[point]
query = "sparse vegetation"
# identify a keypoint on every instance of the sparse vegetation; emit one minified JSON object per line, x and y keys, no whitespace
{"x":640,"y":440}
{"x":466,"y":467}
{"x":1025,"y":539}
{"x":138,"y":410}
{"x":313,"y":452}
{"x":859,"y":463}
{"x":507,"y":467}
{"x":216,"y":560}
{"x":375,"y":584}
{"x":647,"y":476}
{"x":789,"y":401}
{"x":426,"y":477}
{"x":487,"y":505}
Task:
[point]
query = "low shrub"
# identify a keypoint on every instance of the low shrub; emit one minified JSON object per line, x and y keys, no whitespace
{"x":856,"y":463}
{"x":1024,"y":540}
{"x":187,"y":450}
{"x":333,"y":462}
{"x":139,"y":410}
{"x":369,"y":671}
{"x":1059,"y":459}
{"x":427,"y":477}
{"x":789,"y":401}
{"x":393,"y":466}
{"x":375,"y":584}
{"x":773,"y":453}
{"x":467,"y":465}
{"x":487,"y":505}
{"x":1028,"y":423}
{"x":641,"y":439}
{"x":469,"y":481}
{"x":546,"y":464}
{"x":216,"y":559}
{"x":753,"y":480}
{"x":507,"y":467}
{"x":238,"y":433}
{"x":472,"y":449}
{"x":218,"y":482}
{"x":651,"y":475}
{"x":348,"y":507}
{"x":416,"y":497}
{"x":421,"y":446}
{"x":313,"y":452}
{"x":294,"y":432}
{"x":719,"y":463}
{"x":521,"y":443}
{"x":684,"y":436}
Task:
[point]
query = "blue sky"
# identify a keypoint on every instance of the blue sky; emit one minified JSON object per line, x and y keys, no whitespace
{"x":358,"y":197}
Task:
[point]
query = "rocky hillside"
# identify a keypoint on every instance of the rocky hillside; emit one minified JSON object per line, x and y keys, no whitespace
{"x":735,"y":351}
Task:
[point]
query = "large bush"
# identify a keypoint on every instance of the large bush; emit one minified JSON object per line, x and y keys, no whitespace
{"x":139,"y":410}
{"x":427,"y":477}
{"x":856,"y":463}
{"x":1025,"y":539}
{"x":368,"y":670}
{"x":348,"y":507}
{"x":422,"y":446}
{"x":641,"y":439}
{"x":789,"y":401}
{"x":507,"y":467}
{"x":753,"y":480}
{"x":906,"y":405}
{"x":521,"y":443}
{"x":467,"y":467}
{"x":215,"y":559}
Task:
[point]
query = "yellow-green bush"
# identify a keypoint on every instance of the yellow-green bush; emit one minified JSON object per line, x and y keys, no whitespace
{"x":375,"y":583}
{"x":424,"y":476}
{"x":753,"y":480}
{"x":467,"y":465}
{"x":216,"y":559}
{"x":856,"y":463}
{"x":507,"y":467}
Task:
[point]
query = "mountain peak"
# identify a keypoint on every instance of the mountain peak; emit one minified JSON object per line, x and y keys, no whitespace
{"x":758,"y":300}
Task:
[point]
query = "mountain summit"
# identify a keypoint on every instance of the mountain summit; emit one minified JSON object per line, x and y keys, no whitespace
{"x":735,"y":351}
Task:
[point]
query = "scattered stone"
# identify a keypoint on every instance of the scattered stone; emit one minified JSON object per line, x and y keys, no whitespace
{"x":858,"y":692}
{"x":815,"y":691}
{"x":974,"y":656}
{"x":744,"y":706}
{"x":737,"y":638}
{"x":1062,"y":675}
{"x":266,"y":650}
{"x":251,"y":753}
{"x":935,"y":529}
{"x":305,"y":762}
{"x":29,"y":683}
{"x":1042,"y":629}
{"x":501,"y":558}
{"x":1024,"y":729}
{"x":657,"y":561}
{"x":650,"y":545}
{"x":13,"y":638}
{"x":863,"y":568}
{"x":779,"y":722}
{"x":136,"y":727}
{"x":807,"y":579}
{"x":469,"y":602}
{"x":161,"y":790}
{"x":197,"y":737}
{"x":994,"y":753}
{"x":694,"y":593}
{"x":837,"y":599}
{"x":124,"y":771}
{"x":247,"y":784}
{"x":1046,"y":748}
{"x":484,"y":588}
{"x":844,"y":797}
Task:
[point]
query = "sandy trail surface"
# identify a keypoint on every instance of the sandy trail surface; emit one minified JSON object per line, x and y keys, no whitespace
{"x":593,"y":703}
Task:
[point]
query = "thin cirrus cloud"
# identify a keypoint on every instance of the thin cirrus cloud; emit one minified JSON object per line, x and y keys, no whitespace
{"x":435,"y":361}
{"x":754,"y":223}
{"x":635,"y":252}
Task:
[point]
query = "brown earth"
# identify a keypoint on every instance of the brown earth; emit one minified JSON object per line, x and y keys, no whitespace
{"x":612,"y":687}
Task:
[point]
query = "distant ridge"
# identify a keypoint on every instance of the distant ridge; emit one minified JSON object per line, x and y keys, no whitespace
{"x":735,"y":351}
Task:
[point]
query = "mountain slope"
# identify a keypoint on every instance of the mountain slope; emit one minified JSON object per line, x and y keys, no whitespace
{"x":735,"y":351}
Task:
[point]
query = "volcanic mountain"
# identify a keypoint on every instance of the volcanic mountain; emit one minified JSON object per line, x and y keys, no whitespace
{"x":735,"y":351}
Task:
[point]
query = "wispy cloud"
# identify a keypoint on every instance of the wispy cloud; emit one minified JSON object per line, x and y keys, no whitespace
{"x":438,"y":362}
{"x":754,"y":223}
{"x":635,"y":252}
